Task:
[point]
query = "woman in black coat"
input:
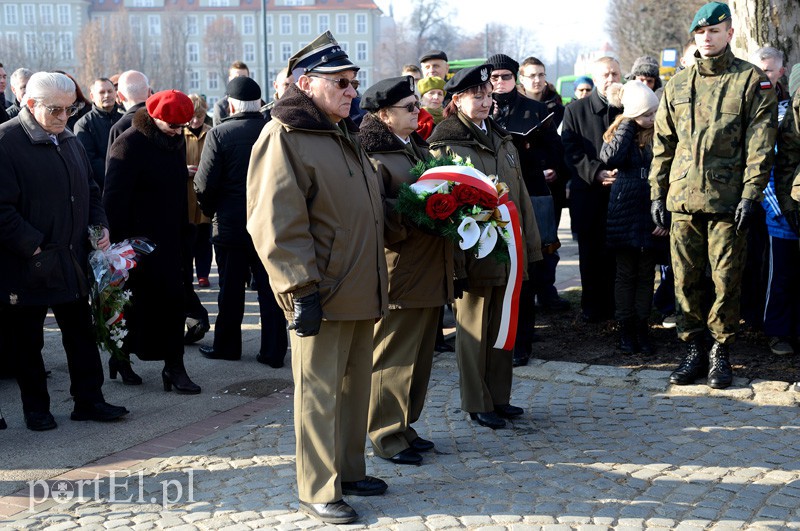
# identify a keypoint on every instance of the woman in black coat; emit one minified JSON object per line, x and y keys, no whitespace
{"x":145,"y":196}
{"x":629,"y":230}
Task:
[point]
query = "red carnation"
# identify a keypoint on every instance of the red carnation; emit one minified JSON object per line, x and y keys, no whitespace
{"x":466,"y":195}
{"x":440,"y":206}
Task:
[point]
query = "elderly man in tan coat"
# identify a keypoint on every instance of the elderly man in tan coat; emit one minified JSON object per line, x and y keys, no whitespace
{"x":315,"y":213}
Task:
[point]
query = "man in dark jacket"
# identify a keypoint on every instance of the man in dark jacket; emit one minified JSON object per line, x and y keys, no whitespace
{"x":94,"y":127}
{"x":585,"y":121}
{"x":48,"y":200}
{"x":18,"y":82}
{"x":133,"y":89}
{"x":221,"y":184}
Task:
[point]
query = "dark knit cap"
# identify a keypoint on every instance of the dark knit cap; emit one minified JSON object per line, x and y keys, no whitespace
{"x":468,"y":78}
{"x":243,"y":88}
{"x":387,"y":92}
{"x":645,"y":66}
{"x":503,"y":62}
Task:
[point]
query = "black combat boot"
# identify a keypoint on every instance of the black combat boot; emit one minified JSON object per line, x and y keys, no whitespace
{"x":643,"y":336}
{"x":627,"y":337}
{"x":720,"y":374}
{"x":693,"y":366}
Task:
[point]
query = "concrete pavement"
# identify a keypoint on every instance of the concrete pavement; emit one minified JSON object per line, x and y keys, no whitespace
{"x":598,"y":448}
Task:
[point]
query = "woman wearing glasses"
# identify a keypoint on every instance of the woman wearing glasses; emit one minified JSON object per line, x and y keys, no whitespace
{"x":420,"y":278}
{"x":145,"y":196}
{"x":468,"y":131}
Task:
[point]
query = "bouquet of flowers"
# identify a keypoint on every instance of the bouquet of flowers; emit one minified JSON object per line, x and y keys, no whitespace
{"x":456,"y":201}
{"x":109,"y":270}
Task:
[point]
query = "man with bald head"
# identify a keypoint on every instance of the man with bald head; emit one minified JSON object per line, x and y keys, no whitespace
{"x":585,"y":121}
{"x":133,"y":89}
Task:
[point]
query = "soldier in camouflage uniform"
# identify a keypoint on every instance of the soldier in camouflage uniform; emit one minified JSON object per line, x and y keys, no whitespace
{"x":787,"y":164}
{"x":714,"y":138}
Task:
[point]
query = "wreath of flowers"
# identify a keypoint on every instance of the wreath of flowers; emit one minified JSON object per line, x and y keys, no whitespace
{"x":456,"y":211}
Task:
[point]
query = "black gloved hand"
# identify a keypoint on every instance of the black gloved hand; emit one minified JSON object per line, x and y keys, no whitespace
{"x":793,"y":219}
{"x":459,"y":286}
{"x":744,"y":214}
{"x":658,"y":211}
{"x":307,"y":315}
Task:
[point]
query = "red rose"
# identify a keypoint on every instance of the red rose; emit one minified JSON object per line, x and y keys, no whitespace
{"x":466,"y":195}
{"x":440,"y":206}
{"x":487,"y":200}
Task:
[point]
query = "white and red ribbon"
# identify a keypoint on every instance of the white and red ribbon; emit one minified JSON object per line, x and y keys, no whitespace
{"x":509,"y":316}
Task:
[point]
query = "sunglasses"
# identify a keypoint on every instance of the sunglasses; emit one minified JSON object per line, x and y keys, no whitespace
{"x":408,"y":106}
{"x":341,"y":82}
{"x":72,"y":110}
{"x":504,"y":77}
{"x":177,"y":126}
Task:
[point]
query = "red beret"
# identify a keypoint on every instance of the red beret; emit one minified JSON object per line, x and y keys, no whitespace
{"x":171,"y":106}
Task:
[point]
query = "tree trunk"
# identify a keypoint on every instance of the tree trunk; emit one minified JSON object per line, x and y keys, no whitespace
{"x":760,"y":23}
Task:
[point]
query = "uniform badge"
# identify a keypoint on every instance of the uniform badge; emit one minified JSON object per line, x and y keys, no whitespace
{"x":765,"y":85}
{"x":484,"y":74}
{"x":411,"y":85}
{"x":702,"y":22}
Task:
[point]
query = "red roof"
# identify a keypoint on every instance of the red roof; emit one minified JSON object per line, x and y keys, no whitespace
{"x":244,"y":5}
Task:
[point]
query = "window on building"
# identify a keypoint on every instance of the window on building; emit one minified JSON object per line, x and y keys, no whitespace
{"x":144,"y":3}
{"x":361,"y":51}
{"x":153,"y":25}
{"x":11,"y":14}
{"x":29,"y":44}
{"x":248,"y":25}
{"x":48,"y":44}
{"x":231,"y":19}
{"x":341,"y":23}
{"x":67,"y":51}
{"x":213,"y":81}
{"x":344,"y":45}
{"x":136,"y":24}
{"x":29,"y":15}
{"x":286,"y":24}
{"x":269,"y":25}
{"x":363,"y":78}
{"x":64,"y":15}
{"x":219,"y":3}
{"x":209,"y":19}
{"x":361,"y":23}
{"x":191,"y":25}
{"x":46,"y":14}
{"x":194,"y":80}
{"x":323,"y":23}
{"x":286,"y":51}
{"x":270,"y":53}
{"x":193,"y":53}
{"x":155,"y":49}
{"x":249,"y":49}
{"x":304,"y":22}
{"x":212,"y":100}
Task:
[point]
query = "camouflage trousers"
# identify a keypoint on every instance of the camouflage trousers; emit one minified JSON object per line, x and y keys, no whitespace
{"x":699,"y":242}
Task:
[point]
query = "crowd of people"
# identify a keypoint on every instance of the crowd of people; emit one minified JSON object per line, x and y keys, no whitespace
{"x":298,"y":198}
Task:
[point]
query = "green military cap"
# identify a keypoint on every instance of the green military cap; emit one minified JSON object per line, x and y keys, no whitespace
{"x":710,"y":14}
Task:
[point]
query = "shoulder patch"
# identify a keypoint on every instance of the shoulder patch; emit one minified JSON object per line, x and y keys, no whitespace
{"x":765,"y":85}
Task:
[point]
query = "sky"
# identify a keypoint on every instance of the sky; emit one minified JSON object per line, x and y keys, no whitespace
{"x":553,"y":21}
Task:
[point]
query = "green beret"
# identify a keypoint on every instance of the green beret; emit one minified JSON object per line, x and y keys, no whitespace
{"x":429,"y":83}
{"x":711,"y":14}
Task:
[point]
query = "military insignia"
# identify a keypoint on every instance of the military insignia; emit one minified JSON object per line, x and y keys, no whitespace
{"x":722,"y":17}
{"x":12,"y":298}
{"x":765,"y":85}
{"x":411,"y":85}
{"x":702,"y":22}
{"x":484,"y":74}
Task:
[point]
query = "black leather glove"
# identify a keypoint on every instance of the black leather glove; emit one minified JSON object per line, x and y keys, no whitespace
{"x":307,"y":315}
{"x":658,"y":211}
{"x":459,"y":286}
{"x":744,"y":214}
{"x":793,"y":219}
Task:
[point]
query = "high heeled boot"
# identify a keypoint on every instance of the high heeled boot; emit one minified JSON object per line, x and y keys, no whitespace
{"x":174,"y":375}
{"x":116,"y":365}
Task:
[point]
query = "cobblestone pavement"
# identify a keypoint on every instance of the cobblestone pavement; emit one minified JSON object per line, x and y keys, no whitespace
{"x":598,"y":448}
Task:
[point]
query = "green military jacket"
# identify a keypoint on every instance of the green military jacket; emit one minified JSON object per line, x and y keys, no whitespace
{"x":714,"y":136}
{"x":787,"y":161}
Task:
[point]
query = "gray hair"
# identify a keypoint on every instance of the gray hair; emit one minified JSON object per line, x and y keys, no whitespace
{"x":134,"y":85}
{"x":765,"y":53}
{"x":20,"y":76}
{"x":245,"y":106}
{"x":44,"y":84}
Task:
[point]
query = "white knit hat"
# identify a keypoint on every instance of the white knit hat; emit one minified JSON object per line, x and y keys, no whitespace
{"x":637,"y":99}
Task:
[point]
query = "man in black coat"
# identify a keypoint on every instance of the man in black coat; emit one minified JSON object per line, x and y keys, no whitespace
{"x":94,"y":127}
{"x":48,"y":200}
{"x":133,"y":89}
{"x":585,"y":121}
{"x":221,"y":184}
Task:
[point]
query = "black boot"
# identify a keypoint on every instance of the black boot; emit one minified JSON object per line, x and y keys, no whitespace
{"x":627,"y":337}
{"x":720,"y":374}
{"x":643,"y":336}
{"x":693,"y":366}
{"x":116,"y":365}
{"x":174,"y":375}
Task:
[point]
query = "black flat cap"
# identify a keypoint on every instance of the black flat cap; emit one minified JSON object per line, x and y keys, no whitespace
{"x":433,"y":54}
{"x":387,"y":92}
{"x":468,"y":78}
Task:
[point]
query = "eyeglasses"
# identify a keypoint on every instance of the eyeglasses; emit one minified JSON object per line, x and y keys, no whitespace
{"x":408,"y":106}
{"x":534,"y":76}
{"x":341,"y":82}
{"x":504,"y":77}
{"x":177,"y":126}
{"x":72,"y":110}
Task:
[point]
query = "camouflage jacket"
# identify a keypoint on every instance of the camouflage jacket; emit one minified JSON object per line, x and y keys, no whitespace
{"x":787,"y":162}
{"x":714,"y":136}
